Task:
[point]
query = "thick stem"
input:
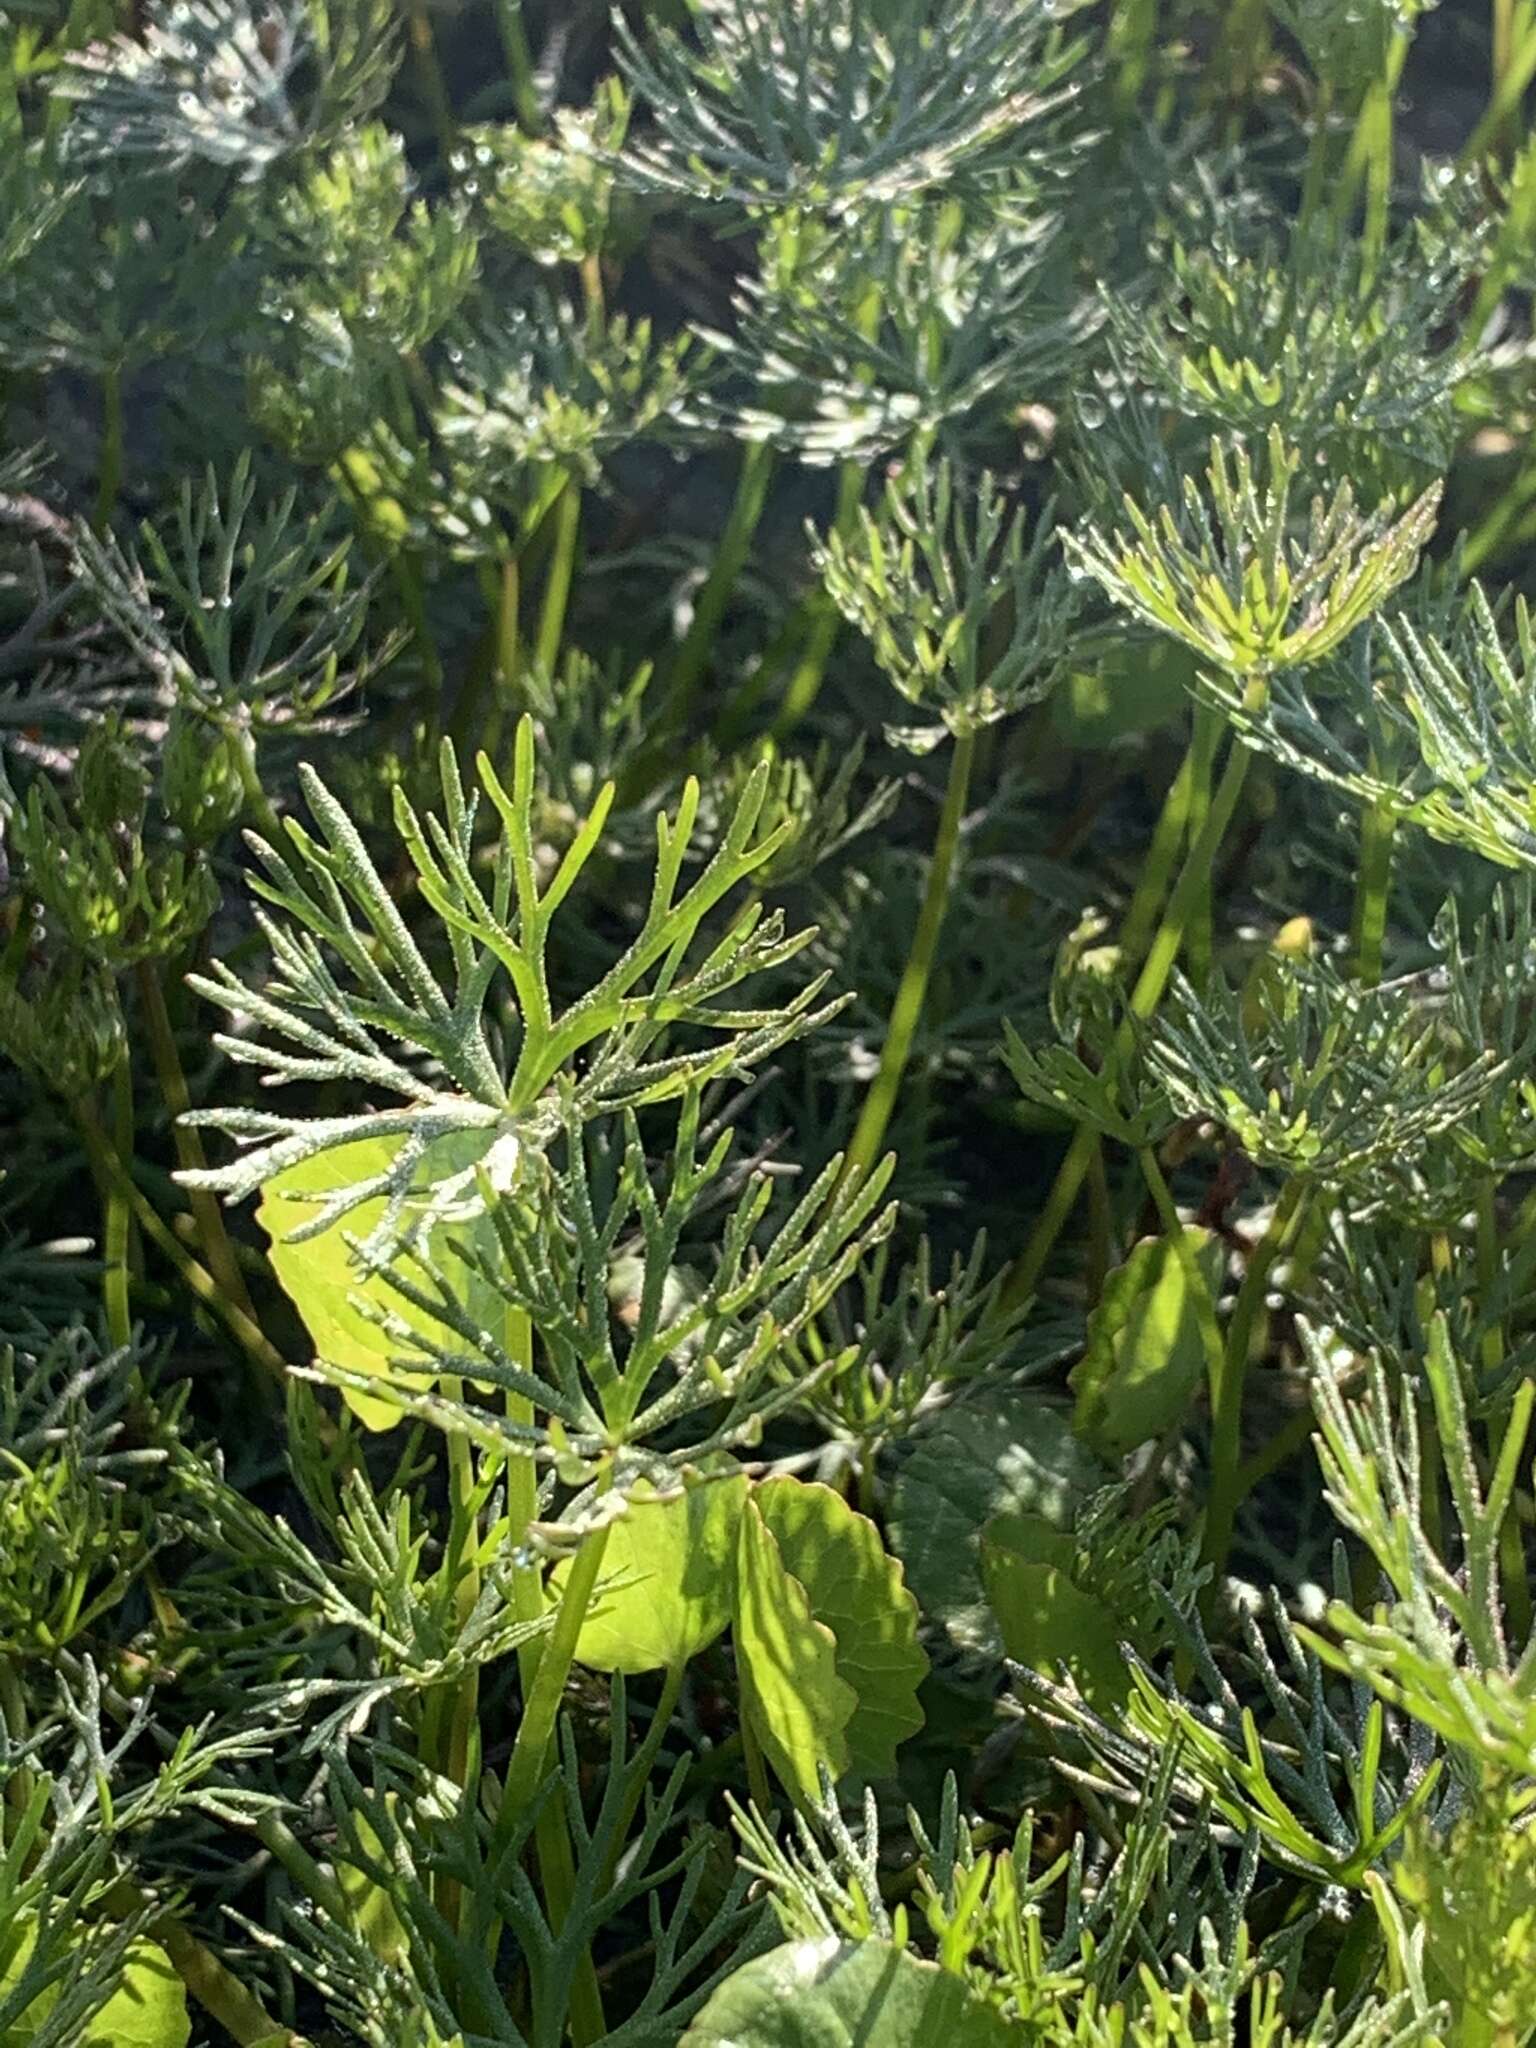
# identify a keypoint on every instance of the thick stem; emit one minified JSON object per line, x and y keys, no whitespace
{"x":693,"y":655}
{"x":117,"y":1214}
{"x":221,"y":1995}
{"x":1189,"y":790}
{"x":206,"y":1212}
{"x":434,"y":87}
{"x":824,"y":619}
{"x":519,"y":61}
{"x":557,"y":581}
{"x":1227,"y":1396}
{"x":536,"y":1730}
{"x":907,"y":1009}
{"x":1372,"y":891}
{"x":453,"y":1733}
{"x":111,"y":1173}
{"x":1199,"y":1289}
{"x":1024,"y":1275}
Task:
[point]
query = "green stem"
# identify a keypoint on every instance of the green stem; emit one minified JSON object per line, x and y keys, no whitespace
{"x":907,"y":1009}
{"x":1372,"y":891}
{"x":110,"y":477}
{"x":279,"y":1839}
{"x":557,"y":581}
{"x":1227,"y":1395}
{"x":645,"y":1756}
{"x":545,"y":1667}
{"x":221,"y":1994}
{"x":111,"y":1173}
{"x":1199,"y":1288}
{"x":434,"y":88}
{"x":1317,"y":156}
{"x":824,"y":619}
{"x":206,"y":1212}
{"x":1189,"y":791}
{"x":519,"y":61}
{"x":1512,"y":1565}
{"x":1024,"y":1275}
{"x":1198,"y":939}
{"x":1132,"y":37}
{"x":117,"y":1216}
{"x":693,"y":655}
{"x":450,"y":1734}
{"x":536,"y":1730}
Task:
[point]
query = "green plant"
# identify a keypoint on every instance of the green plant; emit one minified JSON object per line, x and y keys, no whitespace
{"x":767,"y":988}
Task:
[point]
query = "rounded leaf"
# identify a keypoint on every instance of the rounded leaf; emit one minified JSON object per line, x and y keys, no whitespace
{"x":791,"y":1694}
{"x":669,"y":1580}
{"x":834,"y":1994}
{"x":859,"y":1591}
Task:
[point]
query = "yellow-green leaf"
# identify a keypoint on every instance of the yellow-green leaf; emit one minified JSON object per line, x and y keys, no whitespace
{"x":1047,"y":1621}
{"x":1144,"y":1358}
{"x":792,"y":1697}
{"x":858,"y":1589}
{"x":844,"y":1994}
{"x":325,"y":1283}
{"x":672,"y":1568}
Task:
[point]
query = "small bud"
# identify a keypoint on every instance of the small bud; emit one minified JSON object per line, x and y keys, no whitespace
{"x":201,"y":784}
{"x":110,"y":780}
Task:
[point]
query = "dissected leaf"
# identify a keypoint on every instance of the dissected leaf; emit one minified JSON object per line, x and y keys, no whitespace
{"x":670,"y":1580}
{"x":857,"y":1589}
{"x":835,"y":1994}
{"x":1144,"y":1360}
{"x":1004,"y":1449}
{"x":797,"y":1705}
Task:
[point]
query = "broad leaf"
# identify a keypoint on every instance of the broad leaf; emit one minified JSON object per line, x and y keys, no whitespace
{"x":672,"y":1568}
{"x":858,"y":1590}
{"x":833,"y":1994}
{"x":1047,"y":1620}
{"x":797,"y":1705}
{"x":147,"y":2010}
{"x":326,"y":1283}
{"x":1002,"y":1450}
{"x":1144,"y":1361}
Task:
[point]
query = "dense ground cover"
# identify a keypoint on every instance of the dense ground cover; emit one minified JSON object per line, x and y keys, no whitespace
{"x":768,"y":991}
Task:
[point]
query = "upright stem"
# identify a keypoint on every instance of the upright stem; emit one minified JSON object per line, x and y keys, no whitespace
{"x":433,"y":86}
{"x":557,"y":581}
{"x":117,"y":1220}
{"x":1372,"y":891}
{"x":519,"y":61}
{"x":536,"y":1730}
{"x":1190,"y":792}
{"x":462,"y":1563}
{"x":1199,"y":1290}
{"x":907,"y":1009}
{"x":1024,"y":1275}
{"x":1227,"y":1397}
{"x":1512,"y":1566}
{"x":1317,"y":155}
{"x":692,"y":657}
{"x":823,"y":617}
{"x":206,"y":1212}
